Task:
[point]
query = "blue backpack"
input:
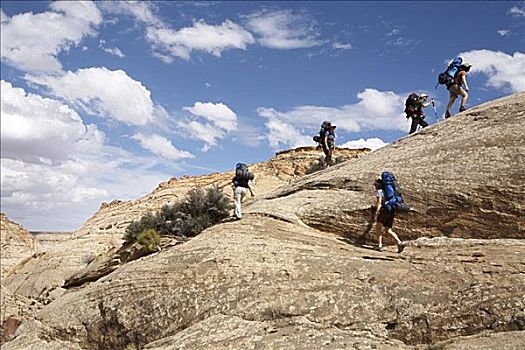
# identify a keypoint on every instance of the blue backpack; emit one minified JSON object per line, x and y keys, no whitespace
{"x":393,"y":197}
{"x":242,"y":174}
{"x":447,"y":77}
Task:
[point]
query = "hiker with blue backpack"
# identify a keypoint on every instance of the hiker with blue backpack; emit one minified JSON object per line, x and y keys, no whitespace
{"x":241,"y":185}
{"x":389,"y":201}
{"x":455,"y":79}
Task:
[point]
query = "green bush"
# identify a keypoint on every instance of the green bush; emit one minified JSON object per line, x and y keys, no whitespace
{"x":199,"y":210}
{"x":149,"y":239}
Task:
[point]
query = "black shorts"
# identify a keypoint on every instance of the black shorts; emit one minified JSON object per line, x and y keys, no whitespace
{"x":386,"y":217}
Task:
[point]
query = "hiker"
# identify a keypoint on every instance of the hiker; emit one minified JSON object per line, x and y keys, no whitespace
{"x":326,"y":139}
{"x":414,"y":109}
{"x":241,"y":185}
{"x":459,"y":87}
{"x":384,"y":215}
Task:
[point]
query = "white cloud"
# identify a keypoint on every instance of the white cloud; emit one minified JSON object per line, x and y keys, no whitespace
{"x":212,"y":39}
{"x":55,"y":170}
{"x":42,"y":130}
{"x":218,"y":113}
{"x":341,"y":46}
{"x":515,"y":10}
{"x":202,"y":131}
{"x":31,"y":42}
{"x":504,"y":32}
{"x":372,"y":143}
{"x":115,"y":51}
{"x":503,"y":71}
{"x":100,"y":91}
{"x":140,"y":10}
{"x":161,"y":146}
{"x":219,"y":120}
{"x":283,"y":29}
{"x":376,"y":110}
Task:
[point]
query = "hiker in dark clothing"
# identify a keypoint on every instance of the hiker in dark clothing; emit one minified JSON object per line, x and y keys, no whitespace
{"x":384,"y":219}
{"x":241,"y":185}
{"x":328,"y":143}
{"x":416,"y":112}
{"x":459,"y":88}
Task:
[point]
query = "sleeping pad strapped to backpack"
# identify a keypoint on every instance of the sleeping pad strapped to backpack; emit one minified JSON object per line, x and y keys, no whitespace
{"x":393,"y":197}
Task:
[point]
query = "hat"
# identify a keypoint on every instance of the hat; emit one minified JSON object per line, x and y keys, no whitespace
{"x":466,"y":64}
{"x":423,"y":95}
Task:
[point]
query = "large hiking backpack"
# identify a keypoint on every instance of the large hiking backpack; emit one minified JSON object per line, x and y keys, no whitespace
{"x":242,"y":174}
{"x":447,"y":77}
{"x":325,"y":127}
{"x":410,"y":104}
{"x":393,"y":200}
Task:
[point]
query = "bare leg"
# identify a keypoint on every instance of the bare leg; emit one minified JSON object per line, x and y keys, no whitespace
{"x":464,"y":99}
{"x":450,"y":103}
{"x":393,"y":234}
{"x":379,"y":232}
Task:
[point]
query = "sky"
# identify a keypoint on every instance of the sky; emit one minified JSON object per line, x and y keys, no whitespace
{"x":105,"y":100}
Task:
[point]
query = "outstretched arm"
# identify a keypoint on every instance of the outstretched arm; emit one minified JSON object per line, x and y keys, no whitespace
{"x":464,"y":81}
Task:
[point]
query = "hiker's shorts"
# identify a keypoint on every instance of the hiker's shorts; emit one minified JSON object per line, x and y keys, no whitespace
{"x":386,"y":217}
{"x":456,"y":90}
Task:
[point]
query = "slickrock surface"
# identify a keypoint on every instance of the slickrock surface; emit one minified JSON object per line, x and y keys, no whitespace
{"x":16,"y":244}
{"x":41,"y":276}
{"x":290,"y":275}
{"x":286,"y":166}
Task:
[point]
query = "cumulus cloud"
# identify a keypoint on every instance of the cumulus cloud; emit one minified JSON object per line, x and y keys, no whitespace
{"x":161,"y":146}
{"x":283,"y":29}
{"x":55,"y":170}
{"x":217,"y":113}
{"x":102,"y":92}
{"x":30,"y":122}
{"x":209,"y":122}
{"x":376,"y":110}
{"x":32,"y":42}
{"x":503,"y":71}
{"x":212,"y":39}
{"x":371,"y":143}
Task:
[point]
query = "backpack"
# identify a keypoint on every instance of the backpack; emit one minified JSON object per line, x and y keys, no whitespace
{"x":242,"y":174}
{"x":325,"y":127}
{"x":447,"y":77}
{"x":393,"y":200}
{"x":410,"y":104}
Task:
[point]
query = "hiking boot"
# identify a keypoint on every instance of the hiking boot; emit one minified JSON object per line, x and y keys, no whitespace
{"x":462,"y":109}
{"x":379,"y":248}
{"x":400,"y":247}
{"x":447,"y":115}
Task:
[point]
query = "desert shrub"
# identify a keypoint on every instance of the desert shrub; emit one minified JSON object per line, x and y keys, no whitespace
{"x":149,"y":239}
{"x":199,"y":210}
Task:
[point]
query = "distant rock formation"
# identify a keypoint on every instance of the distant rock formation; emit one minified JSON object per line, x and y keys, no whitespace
{"x":300,"y":271}
{"x":16,"y":244}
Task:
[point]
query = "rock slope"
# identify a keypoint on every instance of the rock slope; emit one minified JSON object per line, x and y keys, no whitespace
{"x":41,"y":276}
{"x":16,"y":244}
{"x":291,"y":275}
{"x":286,"y":166}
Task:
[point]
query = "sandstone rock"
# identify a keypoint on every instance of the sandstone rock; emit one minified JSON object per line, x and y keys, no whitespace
{"x":16,"y":244}
{"x":290,"y":275}
{"x":113,"y":218}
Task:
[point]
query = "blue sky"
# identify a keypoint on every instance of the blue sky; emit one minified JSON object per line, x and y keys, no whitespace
{"x":105,"y":100}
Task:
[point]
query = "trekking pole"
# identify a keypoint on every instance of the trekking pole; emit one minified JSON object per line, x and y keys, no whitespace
{"x":435,"y":112}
